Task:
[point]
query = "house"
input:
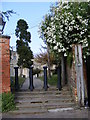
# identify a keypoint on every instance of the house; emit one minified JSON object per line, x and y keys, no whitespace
{"x":13,"y":63}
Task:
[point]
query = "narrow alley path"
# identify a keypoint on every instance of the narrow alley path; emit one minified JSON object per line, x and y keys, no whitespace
{"x":38,"y":84}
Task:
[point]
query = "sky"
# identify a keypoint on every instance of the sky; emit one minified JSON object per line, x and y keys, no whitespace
{"x":32,"y":13}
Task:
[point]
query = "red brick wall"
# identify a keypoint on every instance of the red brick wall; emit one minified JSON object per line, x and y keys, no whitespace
{"x":4,"y":64}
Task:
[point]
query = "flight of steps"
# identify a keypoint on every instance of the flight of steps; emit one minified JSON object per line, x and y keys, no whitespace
{"x":40,"y":101}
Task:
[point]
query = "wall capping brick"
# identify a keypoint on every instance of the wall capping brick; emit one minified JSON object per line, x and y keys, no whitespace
{"x":5,"y":36}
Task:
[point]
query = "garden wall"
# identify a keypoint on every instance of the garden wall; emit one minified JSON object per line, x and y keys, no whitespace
{"x":76,"y":77}
{"x":71,"y":78}
{"x":4,"y":64}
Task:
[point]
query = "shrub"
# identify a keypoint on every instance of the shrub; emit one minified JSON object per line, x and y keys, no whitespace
{"x":8,"y":102}
{"x":53,"y":80}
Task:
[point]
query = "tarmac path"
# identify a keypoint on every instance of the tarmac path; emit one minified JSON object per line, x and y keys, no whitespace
{"x":38,"y":84}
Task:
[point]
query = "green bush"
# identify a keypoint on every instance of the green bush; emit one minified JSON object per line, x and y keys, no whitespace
{"x":52,"y":80}
{"x":70,"y":59}
{"x":21,"y":80}
{"x":8,"y":102}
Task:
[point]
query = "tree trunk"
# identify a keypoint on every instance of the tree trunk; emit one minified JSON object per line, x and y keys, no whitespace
{"x":62,"y":69}
{"x":21,"y":70}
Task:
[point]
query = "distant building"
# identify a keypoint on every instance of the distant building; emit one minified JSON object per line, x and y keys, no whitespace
{"x":13,"y":63}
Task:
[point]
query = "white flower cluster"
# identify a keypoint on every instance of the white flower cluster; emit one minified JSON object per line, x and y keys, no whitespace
{"x":63,"y":29}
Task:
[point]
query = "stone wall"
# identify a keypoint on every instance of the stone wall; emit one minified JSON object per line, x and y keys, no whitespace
{"x":4,"y":64}
{"x":71,"y":78}
{"x":76,"y":76}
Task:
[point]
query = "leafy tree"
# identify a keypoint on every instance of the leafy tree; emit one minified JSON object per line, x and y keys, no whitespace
{"x":68,"y":24}
{"x":22,"y":44}
{"x":21,"y":31}
{"x":42,"y":58}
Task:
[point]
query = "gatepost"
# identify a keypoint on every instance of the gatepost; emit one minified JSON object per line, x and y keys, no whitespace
{"x":4,"y":63}
{"x":16,"y":79}
{"x":31,"y":87}
{"x":45,"y":78}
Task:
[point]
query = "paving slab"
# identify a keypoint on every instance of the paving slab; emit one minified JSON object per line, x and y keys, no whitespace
{"x":84,"y":113}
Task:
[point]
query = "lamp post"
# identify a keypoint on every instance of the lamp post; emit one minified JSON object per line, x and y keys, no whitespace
{"x":2,"y":24}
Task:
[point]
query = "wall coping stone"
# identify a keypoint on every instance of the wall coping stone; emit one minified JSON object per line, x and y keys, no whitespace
{"x":5,"y":36}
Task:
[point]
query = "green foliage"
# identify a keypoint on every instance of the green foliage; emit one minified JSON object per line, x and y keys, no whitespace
{"x":67,"y":24}
{"x":8,"y":102}
{"x":43,"y":57}
{"x":70,"y":59}
{"x":52,"y":80}
{"x":21,"y":31}
{"x":22,"y":44}
{"x":25,"y":55}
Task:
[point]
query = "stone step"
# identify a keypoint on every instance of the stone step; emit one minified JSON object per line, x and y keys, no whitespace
{"x":42,"y":100}
{"x":39,"y":103}
{"x":38,"y":95}
{"x":28,"y":111}
{"x":51,"y":106}
{"x":47,"y":97}
{"x":43,"y":95}
{"x":42,"y":92}
{"x":55,"y":88}
{"x":49,"y":89}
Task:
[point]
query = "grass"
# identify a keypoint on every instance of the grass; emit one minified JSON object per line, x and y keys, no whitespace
{"x":7,"y":102}
{"x":52,"y":80}
{"x":20,"y":79}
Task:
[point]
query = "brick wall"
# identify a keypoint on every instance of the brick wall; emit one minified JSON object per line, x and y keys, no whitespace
{"x":4,"y":64}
